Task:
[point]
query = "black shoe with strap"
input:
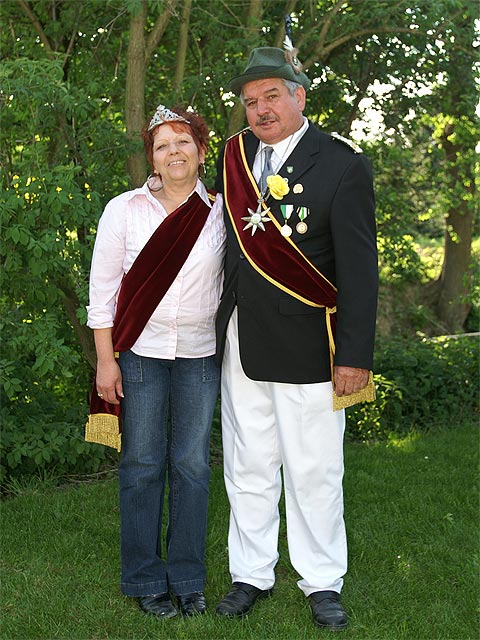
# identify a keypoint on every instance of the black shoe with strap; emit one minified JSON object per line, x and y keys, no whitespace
{"x":327,"y":611}
{"x":240,"y":599}
{"x":192,"y":604}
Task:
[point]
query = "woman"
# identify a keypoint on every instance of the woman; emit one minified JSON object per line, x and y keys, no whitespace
{"x":155,"y":284}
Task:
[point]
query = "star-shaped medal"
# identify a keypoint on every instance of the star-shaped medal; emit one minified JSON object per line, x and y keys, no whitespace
{"x":256,"y":219}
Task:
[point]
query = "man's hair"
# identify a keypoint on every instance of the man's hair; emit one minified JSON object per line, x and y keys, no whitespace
{"x":290,"y":84}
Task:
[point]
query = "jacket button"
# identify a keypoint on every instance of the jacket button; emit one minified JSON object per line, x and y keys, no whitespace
{"x":242,"y":257}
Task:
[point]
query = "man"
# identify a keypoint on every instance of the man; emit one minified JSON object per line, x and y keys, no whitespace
{"x":296,"y":251}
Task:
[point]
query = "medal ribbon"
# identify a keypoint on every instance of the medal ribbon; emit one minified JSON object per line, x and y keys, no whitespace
{"x":286,"y":210}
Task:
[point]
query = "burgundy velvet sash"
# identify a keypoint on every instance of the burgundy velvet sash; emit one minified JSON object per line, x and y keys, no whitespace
{"x":151,"y":275}
{"x":275,"y":257}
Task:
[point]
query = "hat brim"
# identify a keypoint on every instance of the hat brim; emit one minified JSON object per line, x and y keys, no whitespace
{"x":285,"y":72}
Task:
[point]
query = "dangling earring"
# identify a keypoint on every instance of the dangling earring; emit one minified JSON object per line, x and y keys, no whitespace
{"x":202,"y":170}
{"x":154,"y":182}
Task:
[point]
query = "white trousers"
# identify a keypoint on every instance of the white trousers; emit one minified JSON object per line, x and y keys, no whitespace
{"x":267,"y":426}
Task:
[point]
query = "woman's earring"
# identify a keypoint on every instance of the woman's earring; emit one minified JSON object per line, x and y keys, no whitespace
{"x":202,"y":170}
{"x":154,"y":182}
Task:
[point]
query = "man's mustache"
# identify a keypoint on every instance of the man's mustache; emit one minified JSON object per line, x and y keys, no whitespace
{"x":263,"y":119}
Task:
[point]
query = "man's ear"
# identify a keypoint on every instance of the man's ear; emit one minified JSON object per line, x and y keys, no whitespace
{"x":301,"y":96}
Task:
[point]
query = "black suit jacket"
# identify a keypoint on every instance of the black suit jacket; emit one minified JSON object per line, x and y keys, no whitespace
{"x":282,"y":339}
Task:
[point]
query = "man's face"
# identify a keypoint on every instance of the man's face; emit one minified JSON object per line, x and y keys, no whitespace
{"x":272,"y":112}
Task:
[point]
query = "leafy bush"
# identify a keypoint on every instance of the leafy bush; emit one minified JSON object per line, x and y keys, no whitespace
{"x":45,"y":445}
{"x":43,"y":397}
{"x":420,"y":383}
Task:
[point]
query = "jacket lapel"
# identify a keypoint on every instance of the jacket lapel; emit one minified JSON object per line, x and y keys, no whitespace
{"x":302,"y":157}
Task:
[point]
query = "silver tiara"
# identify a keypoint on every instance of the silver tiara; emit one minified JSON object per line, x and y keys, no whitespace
{"x":162,"y":114}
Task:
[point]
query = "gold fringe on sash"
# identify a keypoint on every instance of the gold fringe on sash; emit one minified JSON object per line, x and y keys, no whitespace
{"x":103,"y":428}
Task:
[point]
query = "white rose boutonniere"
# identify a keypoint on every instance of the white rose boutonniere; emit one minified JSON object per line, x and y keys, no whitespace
{"x":278,"y":186}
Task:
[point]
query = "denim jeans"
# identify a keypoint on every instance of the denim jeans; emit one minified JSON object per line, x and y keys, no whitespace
{"x":185,"y":390}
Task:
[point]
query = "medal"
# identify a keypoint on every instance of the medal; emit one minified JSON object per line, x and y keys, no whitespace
{"x":301,"y":227}
{"x":302,"y":214}
{"x":256,"y":218}
{"x":287,"y":210}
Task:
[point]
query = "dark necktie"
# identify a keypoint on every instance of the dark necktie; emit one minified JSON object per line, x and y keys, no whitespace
{"x":267,"y":169}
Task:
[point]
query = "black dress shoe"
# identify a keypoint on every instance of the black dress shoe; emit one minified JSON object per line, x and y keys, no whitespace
{"x":192,"y":604}
{"x":159,"y":605}
{"x":327,"y":610}
{"x":240,"y":599}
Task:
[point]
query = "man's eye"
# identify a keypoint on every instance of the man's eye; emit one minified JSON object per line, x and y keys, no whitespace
{"x":250,"y":104}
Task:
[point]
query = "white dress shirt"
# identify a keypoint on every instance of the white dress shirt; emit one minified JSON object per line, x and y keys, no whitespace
{"x":183,"y":324}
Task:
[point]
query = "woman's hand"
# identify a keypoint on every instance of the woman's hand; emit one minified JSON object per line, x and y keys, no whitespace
{"x":109,"y":376}
{"x":109,"y":381}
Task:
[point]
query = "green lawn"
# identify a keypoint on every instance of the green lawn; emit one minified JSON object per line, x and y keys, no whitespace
{"x":412,"y":517}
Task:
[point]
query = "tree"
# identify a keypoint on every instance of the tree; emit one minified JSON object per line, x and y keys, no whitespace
{"x":78,"y":79}
{"x":457,"y":135}
{"x":141,"y":44}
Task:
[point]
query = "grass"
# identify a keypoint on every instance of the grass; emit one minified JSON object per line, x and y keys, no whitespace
{"x":411,"y":509}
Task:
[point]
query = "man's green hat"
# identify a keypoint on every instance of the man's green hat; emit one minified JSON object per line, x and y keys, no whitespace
{"x":270,"y":62}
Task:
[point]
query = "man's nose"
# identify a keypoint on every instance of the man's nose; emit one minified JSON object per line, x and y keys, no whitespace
{"x":262,"y":106}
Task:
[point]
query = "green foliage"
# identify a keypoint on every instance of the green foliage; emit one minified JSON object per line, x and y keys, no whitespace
{"x":46,"y":446}
{"x":421,"y":384}
{"x":43,"y":397}
{"x":63,"y":154}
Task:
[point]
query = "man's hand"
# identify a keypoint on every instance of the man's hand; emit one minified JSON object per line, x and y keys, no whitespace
{"x":347,"y":380}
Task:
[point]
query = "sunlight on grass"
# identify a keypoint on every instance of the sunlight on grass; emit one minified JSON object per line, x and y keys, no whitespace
{"x":405,"y":443}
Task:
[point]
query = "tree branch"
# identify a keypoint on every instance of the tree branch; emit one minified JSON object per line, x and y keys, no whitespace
{"x":182,"y":45}
{"x":36,"y":25}
{"x":159,"y":27}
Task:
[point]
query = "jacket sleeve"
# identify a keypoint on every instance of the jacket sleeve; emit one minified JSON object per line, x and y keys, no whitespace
{"x":353,"y":230}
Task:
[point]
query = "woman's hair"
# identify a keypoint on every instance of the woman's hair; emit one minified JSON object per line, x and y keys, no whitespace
{"x":196,"y":127}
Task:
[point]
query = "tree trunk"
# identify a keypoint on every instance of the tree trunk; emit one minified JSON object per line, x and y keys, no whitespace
{"x":182,"y":47}
{"x":140,"y":47}
{"x":135,"y":94}
{"x":454,"y":281}
{"x":255,"y":8}
{"x":85,"y":335}
{"x":458,"y":140}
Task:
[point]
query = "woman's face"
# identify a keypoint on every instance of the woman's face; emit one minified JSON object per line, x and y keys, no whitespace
{"x":175,"y":155}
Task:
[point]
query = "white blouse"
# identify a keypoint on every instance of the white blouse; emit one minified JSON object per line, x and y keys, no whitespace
{"x":183,"y":324}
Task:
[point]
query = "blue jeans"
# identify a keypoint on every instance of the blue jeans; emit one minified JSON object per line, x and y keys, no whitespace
{"x":185,"y":390}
